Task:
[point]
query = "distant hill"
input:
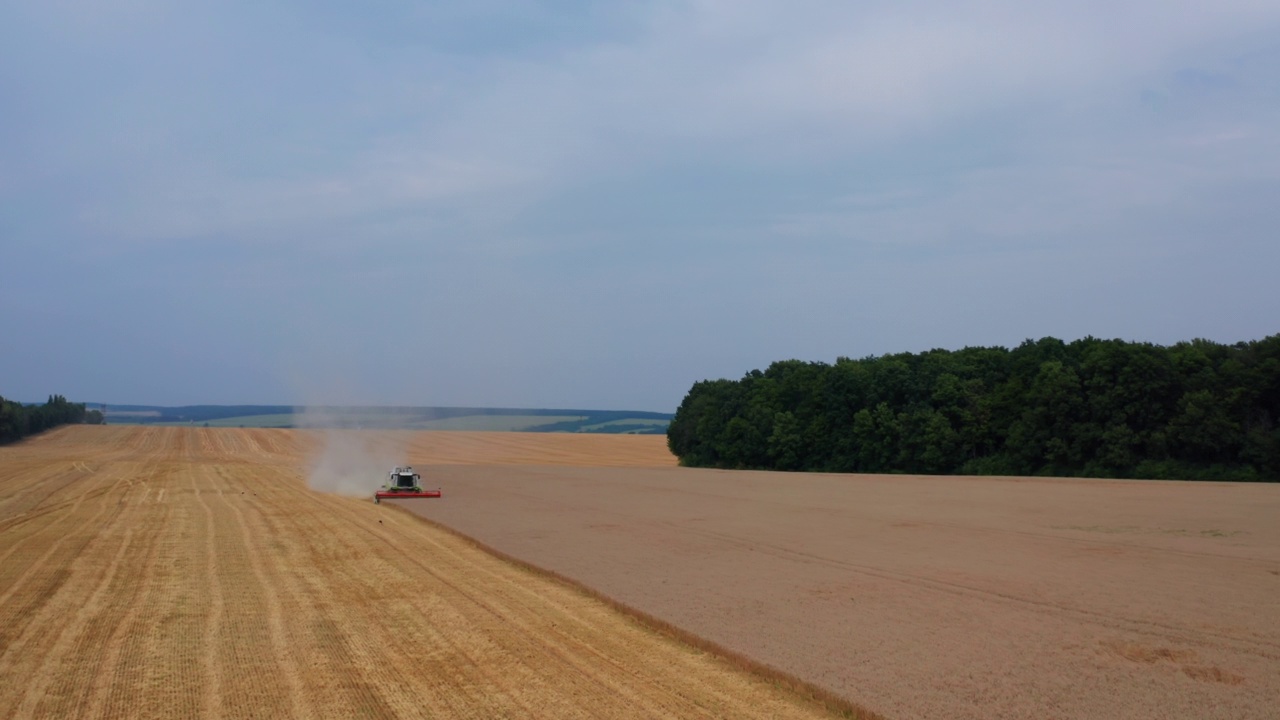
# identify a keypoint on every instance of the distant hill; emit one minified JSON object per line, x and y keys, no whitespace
{"x":401,"y":418}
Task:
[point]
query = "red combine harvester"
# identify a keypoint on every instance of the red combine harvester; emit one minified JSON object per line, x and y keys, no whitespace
{"x":402,"y":483}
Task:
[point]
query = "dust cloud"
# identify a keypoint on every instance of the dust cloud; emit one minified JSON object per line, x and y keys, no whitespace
{"x":349,"y":459}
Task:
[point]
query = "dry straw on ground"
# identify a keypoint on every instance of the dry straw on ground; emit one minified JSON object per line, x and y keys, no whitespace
{"x":182,"y":572}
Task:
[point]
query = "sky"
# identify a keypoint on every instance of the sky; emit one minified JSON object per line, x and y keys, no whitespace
{"x":594,"y":205}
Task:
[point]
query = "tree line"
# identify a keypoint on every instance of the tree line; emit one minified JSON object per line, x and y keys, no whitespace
{"x":18,"y":421}
{"x":1093,"y":408}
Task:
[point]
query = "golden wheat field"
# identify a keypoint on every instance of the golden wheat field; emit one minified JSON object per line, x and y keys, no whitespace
{"x":965,"y":598}
{"x":184,"y":573}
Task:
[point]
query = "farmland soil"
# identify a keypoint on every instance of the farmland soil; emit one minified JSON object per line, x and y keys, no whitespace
{"x":924,"y":597}
{"x":185,"y":572}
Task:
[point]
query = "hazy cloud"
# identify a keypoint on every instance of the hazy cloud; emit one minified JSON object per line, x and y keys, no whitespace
{"x":549,"y":203}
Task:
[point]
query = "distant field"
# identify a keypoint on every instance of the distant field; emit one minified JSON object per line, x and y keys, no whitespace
{"x":506,"y":423}
{"x":277,"y":420}
{"x":396,"y":418}
{"x":625,"y":422}
{"x":490,"y":423}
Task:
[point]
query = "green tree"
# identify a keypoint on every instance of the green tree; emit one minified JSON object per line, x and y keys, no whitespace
{"x":786,"y":446}
{"x":1093,"y":407}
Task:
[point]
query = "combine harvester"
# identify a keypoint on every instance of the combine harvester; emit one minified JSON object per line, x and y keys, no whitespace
{"x":403,"y":482}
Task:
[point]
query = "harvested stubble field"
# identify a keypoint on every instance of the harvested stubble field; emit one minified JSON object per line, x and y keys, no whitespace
{"x":183,"y":572}
{"x":924,"y":597}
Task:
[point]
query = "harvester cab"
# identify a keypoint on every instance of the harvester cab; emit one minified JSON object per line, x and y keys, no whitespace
{"x":404,"y":478}
{"x":403,"y":482}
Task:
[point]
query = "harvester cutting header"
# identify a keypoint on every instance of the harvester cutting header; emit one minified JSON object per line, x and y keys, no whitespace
{"x":403,"y":482}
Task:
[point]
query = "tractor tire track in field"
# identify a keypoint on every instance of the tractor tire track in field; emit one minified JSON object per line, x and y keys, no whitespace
{"x":1158,"y":630}
{"x":282,"y":659}
{"x":117,"y":636}
{"x":30,"y":595}
{"x":189,"y":572}
{"x":212,"y":617}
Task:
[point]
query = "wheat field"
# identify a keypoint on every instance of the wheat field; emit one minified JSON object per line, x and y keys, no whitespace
{"x":190,"y":573}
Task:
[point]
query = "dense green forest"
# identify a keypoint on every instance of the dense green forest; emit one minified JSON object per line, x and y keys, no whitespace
{"x":18,"y":421}
{"x":1095,"y":408}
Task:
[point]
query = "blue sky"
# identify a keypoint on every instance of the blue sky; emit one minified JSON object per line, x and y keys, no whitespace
{"x":566,"y":204}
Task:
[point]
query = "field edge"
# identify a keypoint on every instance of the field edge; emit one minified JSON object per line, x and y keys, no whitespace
{"x":803,"y":689}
